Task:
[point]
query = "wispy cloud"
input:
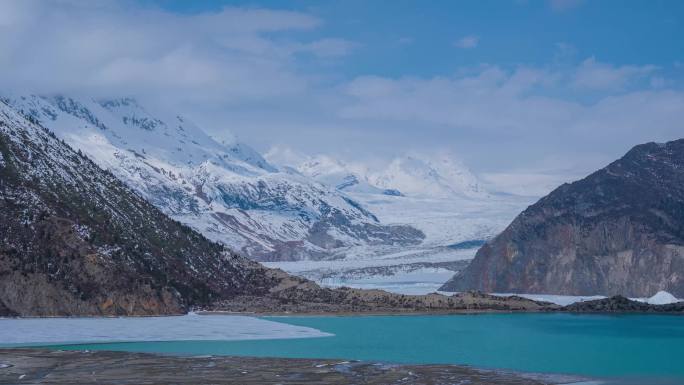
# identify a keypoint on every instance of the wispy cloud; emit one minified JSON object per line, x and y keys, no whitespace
{"x":232,"y":54}
{"x":469,"y":41}
{"x":328,"y":47}
{"x":594,"y":75}
{"x":506,"y":110}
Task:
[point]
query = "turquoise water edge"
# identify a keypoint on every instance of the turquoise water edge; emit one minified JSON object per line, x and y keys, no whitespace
{"x":613,"y":346}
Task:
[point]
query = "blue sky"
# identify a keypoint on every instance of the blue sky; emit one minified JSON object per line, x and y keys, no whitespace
{"x":544,"y":90}
{"x":417,"y":37}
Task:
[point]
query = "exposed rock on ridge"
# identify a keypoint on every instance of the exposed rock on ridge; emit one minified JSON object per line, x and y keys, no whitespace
{"x":618,"y":231}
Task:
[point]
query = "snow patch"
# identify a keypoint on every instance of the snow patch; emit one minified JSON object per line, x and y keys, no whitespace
{"x":660,"y":298}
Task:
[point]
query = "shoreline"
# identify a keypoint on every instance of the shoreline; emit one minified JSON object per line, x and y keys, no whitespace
{"x":370,"y":313}
{"x":469,"y":303}
{"x":25,"y":366}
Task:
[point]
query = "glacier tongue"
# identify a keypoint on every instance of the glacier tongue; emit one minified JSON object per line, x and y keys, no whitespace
{"x":227,"y":191}
{"x":435,"y":194}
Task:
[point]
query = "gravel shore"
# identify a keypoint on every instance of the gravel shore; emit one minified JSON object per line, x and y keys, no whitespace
{"x":36,"y":366}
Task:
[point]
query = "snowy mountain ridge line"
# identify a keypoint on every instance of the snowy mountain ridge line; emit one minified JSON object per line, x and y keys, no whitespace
{"x":227,"y":191}
{"x":412,"y":174}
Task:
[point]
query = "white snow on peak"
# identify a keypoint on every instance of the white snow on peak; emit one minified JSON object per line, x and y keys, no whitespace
{"x":434,"y":193}
{"x":416,"y":175}
{"x":439,"y":176}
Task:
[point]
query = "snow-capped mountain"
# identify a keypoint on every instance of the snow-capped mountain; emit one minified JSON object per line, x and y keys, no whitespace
{"x":335,"y":173}
{"x":435,"y":194}
{"x":75,"y":240}
{"x":437,"y":177}
{"x":415,"y":175}
{"x":227,"y":191}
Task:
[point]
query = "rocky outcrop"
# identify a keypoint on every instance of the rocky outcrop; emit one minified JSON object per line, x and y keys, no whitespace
{"x":620,"y":304}
{"x":298,"y":295}
{"x":618,"y":231}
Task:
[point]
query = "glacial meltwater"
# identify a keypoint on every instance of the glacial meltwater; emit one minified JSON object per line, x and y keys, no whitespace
{"x":633,"y":348}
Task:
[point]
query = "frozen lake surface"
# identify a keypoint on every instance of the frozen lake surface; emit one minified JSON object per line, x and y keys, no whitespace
{"x":174,"y":328}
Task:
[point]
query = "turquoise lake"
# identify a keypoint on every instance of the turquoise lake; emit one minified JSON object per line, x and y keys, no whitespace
{"x":623,"y":346}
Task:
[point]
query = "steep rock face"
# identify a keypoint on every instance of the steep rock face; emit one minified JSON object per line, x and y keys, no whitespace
{"x":226,"y":191}
{"x":74,"y":240}
{"x":618,"y":231}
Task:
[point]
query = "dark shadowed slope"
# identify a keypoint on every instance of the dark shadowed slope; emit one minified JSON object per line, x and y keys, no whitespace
{"x":618,"y":231}
{"x":75,"y":240}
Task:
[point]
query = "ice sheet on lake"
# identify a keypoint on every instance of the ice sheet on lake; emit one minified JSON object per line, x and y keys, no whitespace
{"x":189,"y":327}
{"x":412,"y":271}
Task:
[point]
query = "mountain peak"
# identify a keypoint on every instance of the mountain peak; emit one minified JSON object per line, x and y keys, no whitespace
{"x":438,"y":176}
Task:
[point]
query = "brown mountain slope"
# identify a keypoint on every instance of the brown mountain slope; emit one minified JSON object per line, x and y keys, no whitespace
{"x":618,"y":231}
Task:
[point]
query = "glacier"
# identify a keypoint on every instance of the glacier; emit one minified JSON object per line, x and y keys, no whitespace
{"x":436,"y":194}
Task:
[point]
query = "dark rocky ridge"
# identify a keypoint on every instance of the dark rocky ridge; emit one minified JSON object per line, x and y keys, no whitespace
{"x":298,"y":295}
{"x":618,"y":231}
{"x":620,"y":304}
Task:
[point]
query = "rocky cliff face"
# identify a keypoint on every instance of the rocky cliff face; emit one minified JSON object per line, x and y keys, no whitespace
{"x":74,"y":240}
{"x":618,"y":231}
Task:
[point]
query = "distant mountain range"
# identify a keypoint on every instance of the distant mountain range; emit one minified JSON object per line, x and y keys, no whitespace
{"x":415,"y":175}
{"x":620,"y":230}
{"x":227,"y":191}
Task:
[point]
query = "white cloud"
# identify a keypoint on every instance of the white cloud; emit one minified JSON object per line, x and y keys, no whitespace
{"x":93,"y":47}
{"x":516,"y":118}
{"x":594,"y":75}
{"x":526,"y":183}
{"x":467,"y":42}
